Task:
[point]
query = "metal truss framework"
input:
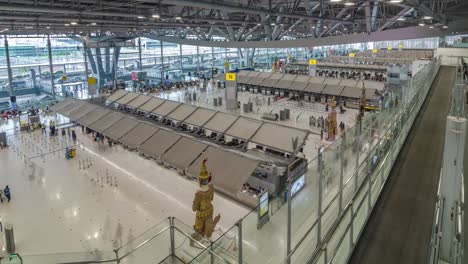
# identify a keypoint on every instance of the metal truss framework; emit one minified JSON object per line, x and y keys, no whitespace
{"x":234,"y":21}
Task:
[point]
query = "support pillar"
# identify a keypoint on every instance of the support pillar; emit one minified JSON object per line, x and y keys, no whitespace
{"x":181,"y":60}
{"x":49,"y":50}
{"x":162,"y":62}
{"x":198,"y":59}
{"x":115,"y":59}
{"x":85,"y":63}
{"x":140,"y":66}
{"x":10,"y":75}
{"x":212,"y":58}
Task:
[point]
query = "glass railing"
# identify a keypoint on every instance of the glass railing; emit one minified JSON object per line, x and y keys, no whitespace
{"x":168,"y":239}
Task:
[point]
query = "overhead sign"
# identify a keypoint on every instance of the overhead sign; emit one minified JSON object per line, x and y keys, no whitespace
{"x":92,"y":80}
{"x":375,"y":50}
{"x":92,"y":85}
{"x":312,"y":62}
{"x":231,"y":77}
{"x":389,"y":48}
{"x":400,"y":46}
{"x":352,"y":55}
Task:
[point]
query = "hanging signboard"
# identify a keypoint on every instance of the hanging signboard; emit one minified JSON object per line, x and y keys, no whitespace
{"x":92,"y":85}
{"x":312,"y":62}
{"x":230,"y":76}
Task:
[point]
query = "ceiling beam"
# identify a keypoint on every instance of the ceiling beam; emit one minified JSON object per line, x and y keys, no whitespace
{"x":395,"y":18}
{"x":239,"y":8}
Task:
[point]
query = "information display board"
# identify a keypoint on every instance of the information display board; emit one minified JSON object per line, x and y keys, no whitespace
{"x":263,"y":208}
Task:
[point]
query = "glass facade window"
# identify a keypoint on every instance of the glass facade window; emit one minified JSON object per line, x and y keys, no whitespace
{"x":31,"y":68}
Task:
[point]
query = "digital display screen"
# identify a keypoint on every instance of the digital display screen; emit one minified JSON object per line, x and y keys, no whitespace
{"x":297,"y":185}
{"x":263,"y":208}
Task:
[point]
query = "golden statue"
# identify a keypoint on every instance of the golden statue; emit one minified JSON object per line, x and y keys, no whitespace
{"x":332,"y":121}
{"x":204,"y":222}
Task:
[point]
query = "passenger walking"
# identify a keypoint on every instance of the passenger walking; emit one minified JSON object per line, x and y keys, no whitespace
{"x":7,"y":193}
{"x":73,"y":134}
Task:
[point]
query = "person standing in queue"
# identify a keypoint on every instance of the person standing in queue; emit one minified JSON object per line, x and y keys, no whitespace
{"x":7,"y":193}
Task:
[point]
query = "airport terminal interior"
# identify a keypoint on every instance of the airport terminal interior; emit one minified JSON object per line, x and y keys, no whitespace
{"x":247,"y":131}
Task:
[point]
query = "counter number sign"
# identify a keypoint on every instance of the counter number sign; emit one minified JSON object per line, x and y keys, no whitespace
{"x":375,"y":50}
{"x":230,"y":76}
{"x":312,"y":62}
{"x":351,"y":55}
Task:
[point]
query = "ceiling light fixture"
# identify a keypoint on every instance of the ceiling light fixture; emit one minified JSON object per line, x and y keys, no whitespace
{"x":335,"y":1}
{"x":47,"y":27}
{"x":272,"y":24}
{"x":74,"y":23}
{"x":445,"y":27}
{"x":401,"y":19}
{"x":396,"y":1}
{"x":155,"y":16}
{"x":178,"y":17}
{"x":141,"y":17}
{"x":431,"y":27}
{"x":427,"y":17}
{"x":67,"y":25}
{"x":421,"y":24}
{"x":349,"y":4}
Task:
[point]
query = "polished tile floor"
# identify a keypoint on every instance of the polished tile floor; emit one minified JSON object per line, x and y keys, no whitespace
{"x":59,"y":207}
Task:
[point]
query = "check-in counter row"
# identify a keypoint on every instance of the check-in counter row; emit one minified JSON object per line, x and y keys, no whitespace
{"x":348,"y":88}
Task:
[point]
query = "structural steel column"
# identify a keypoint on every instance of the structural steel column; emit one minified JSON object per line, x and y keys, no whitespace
{"x":85,"y":63}
{"x":49,"y":49}
{"x":10,"y":75}
{"x":139,"y":54}
{"x":181,"y":63}
{"x":115,"y":59}
{"x":198,"y":59}
{"x":162,"y":62}
{"x":212,"y":58}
